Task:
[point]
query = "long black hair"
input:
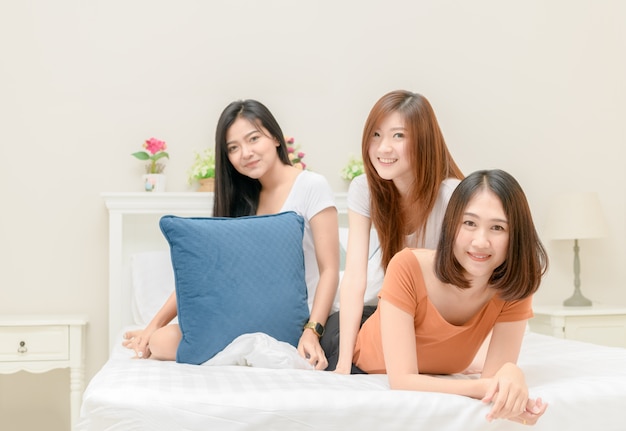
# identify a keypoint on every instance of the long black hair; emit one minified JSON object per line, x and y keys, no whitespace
{"x":237,"y":195}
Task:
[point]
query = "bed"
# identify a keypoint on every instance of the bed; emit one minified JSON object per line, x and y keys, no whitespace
{"x":584,"y":384}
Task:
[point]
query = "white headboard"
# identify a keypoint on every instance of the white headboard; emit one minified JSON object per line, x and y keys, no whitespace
{"x":134,"y":227}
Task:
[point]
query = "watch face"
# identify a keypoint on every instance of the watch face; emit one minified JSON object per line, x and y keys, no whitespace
{"x":317,"y":327}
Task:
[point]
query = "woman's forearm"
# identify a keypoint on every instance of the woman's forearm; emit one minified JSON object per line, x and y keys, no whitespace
{"x":352,"y":289}
{"x":325,"y":229}
{"x":351,"y":310}
{"x":474,"y":388}
{"x":324,"y":296}
{"x":165,"y":314}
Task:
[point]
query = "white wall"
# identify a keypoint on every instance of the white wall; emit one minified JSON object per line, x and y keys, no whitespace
{"x":536,"y":88}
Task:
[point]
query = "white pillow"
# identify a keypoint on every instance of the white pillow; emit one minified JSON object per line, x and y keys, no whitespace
{"x":152,"y":283}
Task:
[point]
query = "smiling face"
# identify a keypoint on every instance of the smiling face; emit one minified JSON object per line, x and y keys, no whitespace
{"x":388,"y":150}
{"x":482,"y":240}
{"x":251,"y":149}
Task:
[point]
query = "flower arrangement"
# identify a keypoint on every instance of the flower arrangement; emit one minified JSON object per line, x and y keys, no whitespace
{"x":203,"y":166}
{"x":294,"y":153}
{"x":352,"y":169}
{"x":154,"y":151}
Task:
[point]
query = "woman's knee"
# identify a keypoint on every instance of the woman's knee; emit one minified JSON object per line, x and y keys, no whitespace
{"x":164,"y":343}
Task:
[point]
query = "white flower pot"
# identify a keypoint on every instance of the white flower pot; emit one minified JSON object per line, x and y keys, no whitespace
{"x":154,"y":182}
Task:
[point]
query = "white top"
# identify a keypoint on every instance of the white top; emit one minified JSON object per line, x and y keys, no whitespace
{"x":309,"y":195}
{"x":359,"y":202}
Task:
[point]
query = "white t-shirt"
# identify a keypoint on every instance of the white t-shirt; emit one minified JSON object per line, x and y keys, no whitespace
{"x":309,"y":195}
{"x":359,"y":202}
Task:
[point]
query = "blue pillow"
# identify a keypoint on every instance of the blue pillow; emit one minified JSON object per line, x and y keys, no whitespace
{"x":236,"y":276}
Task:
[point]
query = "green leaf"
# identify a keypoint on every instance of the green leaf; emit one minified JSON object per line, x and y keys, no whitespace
{"x":141,"y":155}
{"x":160,"y":155}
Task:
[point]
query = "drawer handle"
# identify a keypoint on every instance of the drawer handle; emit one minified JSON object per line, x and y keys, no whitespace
{"x":22,"y":349}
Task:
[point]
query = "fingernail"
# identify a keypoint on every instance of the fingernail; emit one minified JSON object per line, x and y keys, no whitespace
{"x":536,"y":409}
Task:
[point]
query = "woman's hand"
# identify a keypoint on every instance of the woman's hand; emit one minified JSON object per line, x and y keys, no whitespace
{"x":310,"y":349}
{"x":341,"y":369}
{"x":534,"y":410}
{"x":508,"y":393}
{"x":138,"y":341}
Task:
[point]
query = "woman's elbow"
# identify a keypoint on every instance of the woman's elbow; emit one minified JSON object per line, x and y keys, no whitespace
{"x":353,"y":283}
{"x":330,"y":277}
{"x":396,"y":381}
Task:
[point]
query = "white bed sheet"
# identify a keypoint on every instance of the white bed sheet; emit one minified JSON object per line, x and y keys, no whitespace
{"x":584,"y":384}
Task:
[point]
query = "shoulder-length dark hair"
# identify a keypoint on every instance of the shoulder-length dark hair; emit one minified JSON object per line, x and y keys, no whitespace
{"x":237,"y":195}
{"x":432,"y":163}
{"x":526,"y":260}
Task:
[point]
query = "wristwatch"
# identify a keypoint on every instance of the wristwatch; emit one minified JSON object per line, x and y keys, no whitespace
{"x":318,"y":328}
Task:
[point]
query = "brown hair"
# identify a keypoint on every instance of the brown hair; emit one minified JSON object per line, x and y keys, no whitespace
{"x":392,"y":217}
{"x":526,"y":261}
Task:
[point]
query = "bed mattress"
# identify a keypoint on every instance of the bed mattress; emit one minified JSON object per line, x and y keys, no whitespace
{"x":584,"y":385}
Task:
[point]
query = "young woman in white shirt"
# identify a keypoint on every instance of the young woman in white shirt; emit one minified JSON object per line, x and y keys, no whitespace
{"x":409,"y":178}
{"x":254,"y":176}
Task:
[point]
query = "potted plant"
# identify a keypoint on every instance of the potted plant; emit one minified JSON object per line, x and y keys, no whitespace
{"x":202,"y":170}
{"x":352,"y":169}
{"x":154,"y":179}
{"x":294,"y":153}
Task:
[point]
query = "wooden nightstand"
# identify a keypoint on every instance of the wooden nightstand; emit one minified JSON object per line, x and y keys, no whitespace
{"x":42,"y":343}
{"x":595,"y":324}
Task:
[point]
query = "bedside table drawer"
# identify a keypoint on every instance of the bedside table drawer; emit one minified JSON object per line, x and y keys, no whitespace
{"x":34,"y":343}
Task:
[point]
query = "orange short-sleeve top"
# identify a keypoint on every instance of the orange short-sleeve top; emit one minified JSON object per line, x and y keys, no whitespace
{"x":442,"y":348}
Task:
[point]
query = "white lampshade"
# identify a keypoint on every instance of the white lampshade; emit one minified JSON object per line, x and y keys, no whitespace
{"x":576,"y":216}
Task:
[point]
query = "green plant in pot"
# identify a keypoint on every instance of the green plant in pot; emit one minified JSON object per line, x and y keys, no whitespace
{"x":202,"y":170}
{"x":352,"y":169}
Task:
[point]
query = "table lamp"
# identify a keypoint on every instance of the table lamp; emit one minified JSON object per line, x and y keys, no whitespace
{"x":576,"y":216}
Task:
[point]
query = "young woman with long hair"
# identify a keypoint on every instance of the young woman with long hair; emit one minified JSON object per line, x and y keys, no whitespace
{"x":409,"y":177}
{"x":254,"y":176}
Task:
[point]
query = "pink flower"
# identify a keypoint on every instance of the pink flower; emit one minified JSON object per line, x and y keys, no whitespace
{"x":153,"y":145}
{"x":155,"y":150}
{"x":294,"y":153}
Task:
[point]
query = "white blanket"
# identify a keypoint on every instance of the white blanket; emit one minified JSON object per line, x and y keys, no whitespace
{"x":260,"y":350}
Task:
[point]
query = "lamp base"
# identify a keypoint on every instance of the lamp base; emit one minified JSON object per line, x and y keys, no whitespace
{"x":577,"y":300}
